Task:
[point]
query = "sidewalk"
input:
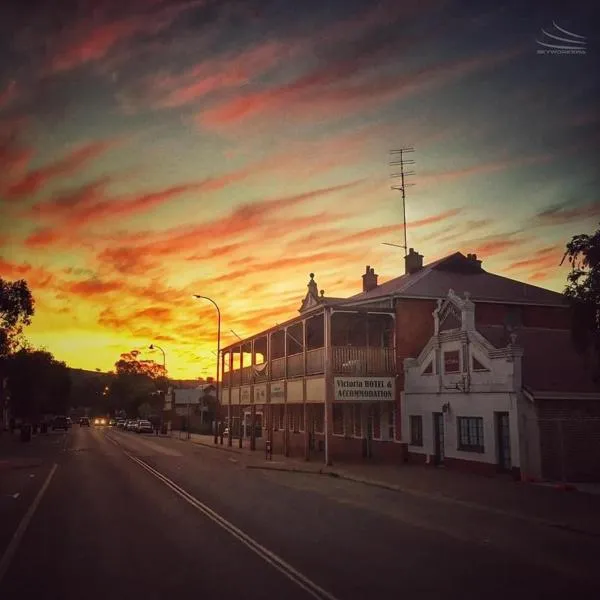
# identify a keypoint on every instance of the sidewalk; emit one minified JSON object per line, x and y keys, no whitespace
{"x":501,"y":495}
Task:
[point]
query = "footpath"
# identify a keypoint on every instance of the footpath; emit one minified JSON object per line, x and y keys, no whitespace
{"x":572,"y":508}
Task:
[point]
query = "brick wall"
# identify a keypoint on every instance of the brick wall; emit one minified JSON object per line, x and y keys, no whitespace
{"x":570,"y":439}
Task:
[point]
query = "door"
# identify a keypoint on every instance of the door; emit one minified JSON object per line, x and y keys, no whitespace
{"x":438,"y":437}
{"x":503,"y":440}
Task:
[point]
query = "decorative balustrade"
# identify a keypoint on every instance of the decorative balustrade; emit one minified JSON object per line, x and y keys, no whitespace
{"x":352,"y":360}
{"x":315,"y":361}
{"x":295,"y":365}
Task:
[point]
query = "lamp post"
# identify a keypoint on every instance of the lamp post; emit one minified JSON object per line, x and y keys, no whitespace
{"x":217,"y":379}
{"x":155,"y":347}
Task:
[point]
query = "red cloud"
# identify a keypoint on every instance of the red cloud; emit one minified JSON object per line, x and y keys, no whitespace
{"x":93,"y":287}
{"x":544,"y":258}
{"x":33,"y":181}
{"x":94,"y":38}
{"x":334,"y":89}
{"x":481,"y":169}
{"x":567,"y":213}
{"x":496,"y":246}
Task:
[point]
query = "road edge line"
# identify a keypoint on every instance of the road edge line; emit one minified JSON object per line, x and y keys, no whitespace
{"x":13,"y":545}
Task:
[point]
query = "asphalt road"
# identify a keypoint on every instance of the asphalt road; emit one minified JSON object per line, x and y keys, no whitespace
{"x":129,"y":516}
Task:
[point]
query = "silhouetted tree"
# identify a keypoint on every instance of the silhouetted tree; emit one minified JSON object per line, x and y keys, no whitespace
{"x":37,"y":384}
{"x":16,"y":309}
{"x":583,"y":293}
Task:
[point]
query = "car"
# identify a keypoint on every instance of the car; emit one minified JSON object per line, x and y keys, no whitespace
{"x":144,"y":427}
{"x":69,"y":422}
{"x":120,"y":423}
{"x":99,"y":421}
{"x":112,"y":423}
{"x":84,"y":422}
{"x":132,"y":425}
{"x":60,"y":423}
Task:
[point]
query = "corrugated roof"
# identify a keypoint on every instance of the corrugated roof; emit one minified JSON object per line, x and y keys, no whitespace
{"x":457,"y":272}
{"x":550,"y":361}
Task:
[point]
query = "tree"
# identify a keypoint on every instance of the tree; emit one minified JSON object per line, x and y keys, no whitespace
{"x":583,"y":293}
{"x":37,"y":384}
{"x":136,"y":382}
{"x":16,"y":309}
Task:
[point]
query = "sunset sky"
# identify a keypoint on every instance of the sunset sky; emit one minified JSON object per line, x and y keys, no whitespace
{"x":151,"y":150}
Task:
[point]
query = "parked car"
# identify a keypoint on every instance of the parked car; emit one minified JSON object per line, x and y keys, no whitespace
{"x":120,"y":423}
{"x":132,"y":426}
{"x":144,"y":427}
{"x":60,"y":423}
{"x":69,"y":422}
{"x":84,"y":422}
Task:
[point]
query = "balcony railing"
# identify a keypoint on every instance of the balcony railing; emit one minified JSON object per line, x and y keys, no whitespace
{"x":346,"y":360}
{"x":295,"y":365}
{"x":278,"y":368}
{"x":315,"y":361}
{"x":362,"y":361}
{"x":246,"y":375}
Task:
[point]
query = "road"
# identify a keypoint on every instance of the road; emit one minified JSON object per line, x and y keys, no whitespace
{"x":120,"y":515}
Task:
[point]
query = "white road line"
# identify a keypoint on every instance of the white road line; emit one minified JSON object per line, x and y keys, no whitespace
{"x":298,"y":578}
{"x":20,"y":532}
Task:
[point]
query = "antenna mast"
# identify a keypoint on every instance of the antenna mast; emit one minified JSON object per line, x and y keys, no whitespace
{"x":398,"y":160}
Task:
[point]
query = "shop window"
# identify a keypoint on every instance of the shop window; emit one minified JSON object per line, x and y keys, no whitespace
{"x":338,"y":419}
{"x":416,"y":430}
{"x":470,"y":434}
{"x":376,"y":421}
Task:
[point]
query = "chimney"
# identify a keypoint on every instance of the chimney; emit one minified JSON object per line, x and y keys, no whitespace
{"x":369,"y":279}
{"x":472,"y":258}
{"x":413,"y":262}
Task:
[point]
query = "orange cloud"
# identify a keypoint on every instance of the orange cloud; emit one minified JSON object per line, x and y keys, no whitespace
{"x":543,"y":259}
{"x":33,"y":182}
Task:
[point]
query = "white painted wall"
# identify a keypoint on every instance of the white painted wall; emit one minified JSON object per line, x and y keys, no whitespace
{"x":479,"y":404}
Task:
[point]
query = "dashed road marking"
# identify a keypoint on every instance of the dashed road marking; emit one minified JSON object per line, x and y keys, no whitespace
{"x":22,"y":528}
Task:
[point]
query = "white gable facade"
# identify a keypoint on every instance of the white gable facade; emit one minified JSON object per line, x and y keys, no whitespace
{"x":462,"y":396}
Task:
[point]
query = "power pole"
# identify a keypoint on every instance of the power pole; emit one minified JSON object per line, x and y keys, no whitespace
{"x":398,"y":160}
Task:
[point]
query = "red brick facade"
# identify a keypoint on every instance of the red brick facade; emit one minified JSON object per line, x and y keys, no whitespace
{"x":570,"y":439}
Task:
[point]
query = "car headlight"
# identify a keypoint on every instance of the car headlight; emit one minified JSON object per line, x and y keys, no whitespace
{"x":96,"y":422}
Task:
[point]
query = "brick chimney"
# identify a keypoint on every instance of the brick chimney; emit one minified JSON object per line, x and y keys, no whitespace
{"x":413,"y":262}
{"x":472,"y":258}
{"x":369,"y":279}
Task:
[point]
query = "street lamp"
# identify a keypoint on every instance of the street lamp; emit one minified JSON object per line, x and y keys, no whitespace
{"x":218,"y":358}
{"x":155,"y":347}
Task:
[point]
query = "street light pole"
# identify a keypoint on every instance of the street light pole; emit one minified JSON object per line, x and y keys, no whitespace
{"x":152,"y":347}
{"x":218,"y":361}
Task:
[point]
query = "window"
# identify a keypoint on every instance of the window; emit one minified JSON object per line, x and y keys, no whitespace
{"x":428,"y":370}
{"x":338,"y":419}
{"x":416,"y":430}
{"x":376,"y":420}
{"x":357,"y":420}
{"x":281,"y":417}
{"x":319,"y":418}
{"x":470,"y":434}
{"x":452,"y":362}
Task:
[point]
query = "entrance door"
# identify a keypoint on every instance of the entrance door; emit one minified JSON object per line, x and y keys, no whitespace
{"x":503,"y":440}
{"x":438,"y":437}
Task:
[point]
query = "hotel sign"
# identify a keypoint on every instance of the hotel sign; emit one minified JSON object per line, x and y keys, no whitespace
{"x":364,"y":389}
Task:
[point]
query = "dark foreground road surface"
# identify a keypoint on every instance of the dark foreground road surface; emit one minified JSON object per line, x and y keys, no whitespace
{"x":117,"y":515}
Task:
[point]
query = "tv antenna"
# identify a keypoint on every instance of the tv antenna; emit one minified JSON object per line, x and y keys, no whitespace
{"x":398,"y":160}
